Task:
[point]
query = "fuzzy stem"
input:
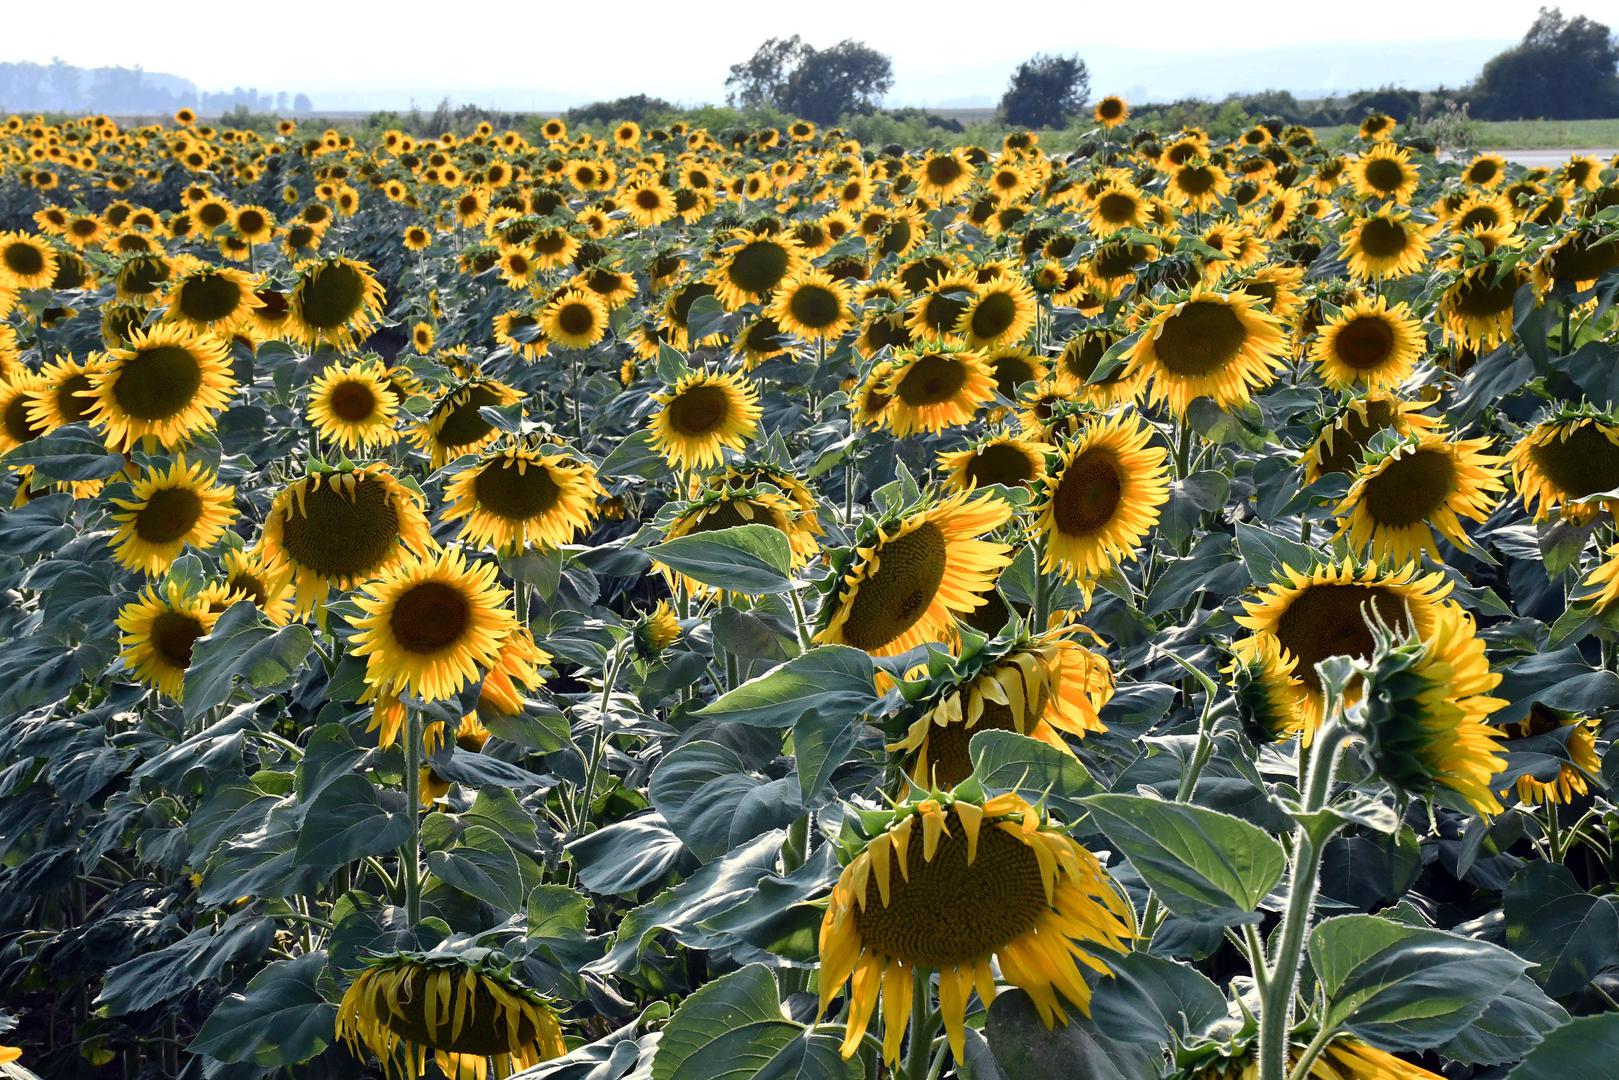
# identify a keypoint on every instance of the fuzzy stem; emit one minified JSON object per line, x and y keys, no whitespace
{"x":410,"y":866}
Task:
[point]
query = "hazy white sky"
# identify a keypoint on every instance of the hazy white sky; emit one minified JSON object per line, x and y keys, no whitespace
{"x":681,"y":51}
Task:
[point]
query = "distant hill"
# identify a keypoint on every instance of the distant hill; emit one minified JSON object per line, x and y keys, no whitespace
{"x":120,"y":91}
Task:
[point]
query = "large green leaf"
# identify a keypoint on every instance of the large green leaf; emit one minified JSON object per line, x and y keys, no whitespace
{"x":1007,"y":761}
{"x":734,"y":1029}
{"x":345,"y":822}
{"x":833,"y":679}
{"x":750,"y":559}
{"x":1573,"y":1051}
{"x":1406,"y":987}
{"x":1205,"y":866}
{"x":243,"y":645}
{"x":482,"y":864}
{"x":1025,"y":1049}
{"x":73,"y":452}
{"x":1567,"y":933}
{"x":282,"y":1019}
{"x":713,"y":801}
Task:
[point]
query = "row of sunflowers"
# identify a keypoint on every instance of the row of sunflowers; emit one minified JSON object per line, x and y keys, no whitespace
{"x":685,"y":604}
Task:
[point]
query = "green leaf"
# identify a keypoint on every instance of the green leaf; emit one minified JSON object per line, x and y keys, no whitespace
{"x":243,"y":645}
{"x":483,"y":865}
{"x":834,"y":679}
{"x":723,"y":1027}
{"x":345,"y":822}
{"x":1265,"y":553}
{"x":821,"y":742}
{"x":705,"y":318}
{"x":713,"y":802}
{"x":1570,"y":1052}
{"x":1510,"y":1026}
{"x":155,"y":977}
{"x":1207,"y":867}
{"x":68,"y":453}
{"x":1568,"y":934}
{"x":749,"y":559}
{"x":1405,"y":987}
{"x":1006,"y":761}
{"x":635,"y":456}
{"x":282,"y":1019}
{"x":1025,"y":1049}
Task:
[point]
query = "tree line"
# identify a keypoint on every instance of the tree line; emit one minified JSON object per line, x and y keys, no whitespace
{"x":60,"y":87}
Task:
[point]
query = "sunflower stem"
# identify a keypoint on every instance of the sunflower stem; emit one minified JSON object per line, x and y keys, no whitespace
{"x":1042,"y":587}
{"x":1301,"y":1068}
{"x":410,"y":866}
{"x":598,"y":746}
{"x":1310,"y":840}
{"x":923,"y":1017}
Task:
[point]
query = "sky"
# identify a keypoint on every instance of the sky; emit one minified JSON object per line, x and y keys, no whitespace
{"x":523,"y":54}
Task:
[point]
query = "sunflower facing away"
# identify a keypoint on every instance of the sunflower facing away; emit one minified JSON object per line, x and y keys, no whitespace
{"x":336,"y":529}
{"x":524,"y":494}
{"x":1102,"y":497}
{"x":169,"y":510}
{"x":1212,"y":344}
{"x":457,"y":1007}
{"x":1430,"y":482}
{"x":702,"y":416}
{"x":735,"y":499}
{"x":905,"y":586}
{"x":168,"y":383}
{"x":1563,"y":460}
{"x":1369,"y":345}
{"x":1045,"y":686}
{"x":1020,"y":894}
{"x":349,"y":404}
{"x":1314,"y":613}
{"x":159,"y":628}
{"x":431,"y":625}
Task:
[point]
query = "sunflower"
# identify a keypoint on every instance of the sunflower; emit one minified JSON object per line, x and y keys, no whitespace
{"x":1425,"y":712}
{"x":520,"y":331}
{"x":141,"y":279}
{"x":215,"y":298}
{"x":1342,"y":443}
{"x":813,"y":306}
{"x":159,"y":628}
{"x":460,"y":1007}
{"x":1314,"y":613}
{"x":655,"y":631}
{"x":1009,"y":460}
{"x":26,"y":262}
{"x":18,"y":422}
{"x":1369,"y":345}
{"x":906,"y":584}
{"x":1387,"y":244}
{"x":1019,"y":893}
{"x":1476,"y":308}
{"x":349,"y":404}
{"x":999,"y":315}
{"x":168,"y":511}
{"x":1045,"y":686}
{"x":336,"y":301}
{"x":1076,"y":365}
{"x":1212,"y":344}
{"x":576,"y":319}
{"x":733,"y":501}
{"x":933,"y":389}
{"x":521,"y":494}
{"x":255,"y":224}
{"x":1564,"y":460}
{"x":940,"y":306}
{"x":1197,"y":185}
{"x":944,"y":175}
{"x":1344,"y":1058}
{"x":1570,"y":782}
{"x":248,"y":574}
{"x":755,"y":266}
{"x":167,"y":382}
{"x":1428,"y":483}
{"x":1104,"y":494}
{"x":65,"y":396}
{"x":336,"y":529}
{"x":431,"y":625}
{"x":1011,"y":368}
{"x":456,"y":424}
{"x":1111,"y":111}
{"x":703,"y":415}
{"x":1384,"y":172}
{"x":1120,"y":205}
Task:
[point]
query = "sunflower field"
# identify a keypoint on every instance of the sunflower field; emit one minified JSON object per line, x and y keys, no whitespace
{"x":745,"y":605}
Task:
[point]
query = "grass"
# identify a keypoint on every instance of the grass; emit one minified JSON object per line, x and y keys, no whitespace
{"x":1548,"y":134}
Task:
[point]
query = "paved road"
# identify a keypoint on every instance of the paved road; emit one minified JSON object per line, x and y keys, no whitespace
{"x":1553,"y":158}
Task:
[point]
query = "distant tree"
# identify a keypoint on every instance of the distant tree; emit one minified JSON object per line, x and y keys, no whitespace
{"x":1046,"y":92}
{"x":302,"y":104}
{"x":639,"y":108}
{"x":816,"y":84}
{"x":1564,"y":69}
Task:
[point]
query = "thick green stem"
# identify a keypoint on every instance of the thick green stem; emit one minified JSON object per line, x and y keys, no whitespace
{"x":410,"y":856}
{"x":923,"y":1021}
{"x":1042,"y":588}
{"x":1301,"y":1069}
{"x":1276,"y":1004}
{"x":598,"y":747}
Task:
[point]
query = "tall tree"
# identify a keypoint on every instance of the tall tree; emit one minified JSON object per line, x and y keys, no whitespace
{"x":1046,"y":92}
{"x":816,"y":84}
{"x":1564,"y":69}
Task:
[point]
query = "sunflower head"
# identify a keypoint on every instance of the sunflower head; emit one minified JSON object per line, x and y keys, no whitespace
{"x":1422,"y":485}
{"x":523,"y":492}
{"x":655,"y":631}
{"x":1101,"y":496}
{"x":459,"y":1004}
{"x":168,"y":382}
{"x":1565,"y":459}
{"x":456,"y":425}
{"x":701,"y":416}
{"x":1220,"y":345}
{"x":159,"y":629}
{"x":336,"y":301}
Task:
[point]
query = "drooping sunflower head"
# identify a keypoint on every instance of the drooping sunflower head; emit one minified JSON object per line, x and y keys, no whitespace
{"x":525,"y":493}
{"x":907,"y":580}
{"x":159,"y":629}
{"x":455,"y":1004}
{"x":167,"y":382}
{"x":1369,"y":345}
{"x":1316,"y":612}
{"x":701,"y":416}
{"x":734,"y":499}
{"x":336,"y":301}
{"x":430,"y":625}
{"x":1425,"y":711}
{"x":1006,"y":459}
{"x":929,"y":390}
{"x":1102,"y":496}
{"x":1019,"y":893}
{"x":1565,"y":459}
{"x":456,"y":424}
{"x":169,"y":510}
{"x":1426,"y":483}
{"x":336,"y":529}
{"x":1212,"y":344}
{"x":1046,"y":686}
{"x":349,"y":404}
